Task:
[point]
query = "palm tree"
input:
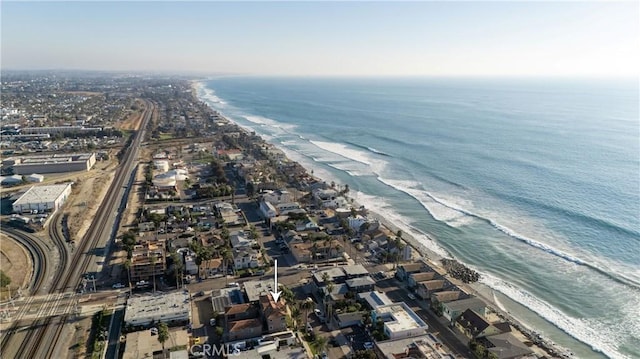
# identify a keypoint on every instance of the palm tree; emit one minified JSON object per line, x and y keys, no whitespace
{"x":127,"y":267}
{"x":163,"y":335}
{"x":306,"y":305}
{"x":320,"y":343}
{"x":227,"y":257}
{"x":329,"y":314}
{"x":295,"y":316}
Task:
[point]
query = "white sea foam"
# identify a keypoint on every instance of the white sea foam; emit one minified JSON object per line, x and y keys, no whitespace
{"x":602,"y":337}
{"x":384,"y":211}
{"x":376,"y":166}
{"x":437,"y":209}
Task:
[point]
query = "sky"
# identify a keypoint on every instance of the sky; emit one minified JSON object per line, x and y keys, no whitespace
{"x":593,"y":39}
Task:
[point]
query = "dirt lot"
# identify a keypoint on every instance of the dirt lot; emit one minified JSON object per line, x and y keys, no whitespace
{"x":15,"y":262}
{"x":133,"y":121}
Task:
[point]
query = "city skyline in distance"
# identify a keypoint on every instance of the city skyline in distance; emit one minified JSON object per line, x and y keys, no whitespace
{"x":593,"y":39}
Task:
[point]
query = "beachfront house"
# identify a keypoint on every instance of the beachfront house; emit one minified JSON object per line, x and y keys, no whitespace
{"x":404,"y":270}
{"x":426,"y":288}
{"x":473,"y":325}
{"x":452,"y":310}
{"x":415,"y":278}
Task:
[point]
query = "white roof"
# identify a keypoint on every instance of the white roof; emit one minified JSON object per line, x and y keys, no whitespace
{"x":154,"y":306}
{"x":42,"y":194}
{"x":403,"y":318}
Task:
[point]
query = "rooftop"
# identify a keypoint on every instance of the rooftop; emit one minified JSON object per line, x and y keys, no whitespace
{"x":399,"y":317}
{"x":256,"y":288}
{"x":424,"y":346}
{"x":42,"y":194}
{"x":142,"y":344}
{"x":158,"y":305}
{"x":375,"y":299}
{"x":360,"y":281}
{"x":464,"y":304}
{"x":355,"y":270}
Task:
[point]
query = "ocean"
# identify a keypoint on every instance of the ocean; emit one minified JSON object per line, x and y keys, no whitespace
{"x":534,"y":183}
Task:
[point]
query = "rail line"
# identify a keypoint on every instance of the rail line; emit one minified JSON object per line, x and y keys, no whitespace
{"x":51,"y":329}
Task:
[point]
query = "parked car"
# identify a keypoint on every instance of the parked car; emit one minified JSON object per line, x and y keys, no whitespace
{"x":199,"y":294}
{"x":154,"y":331}
{"x":368,"y":345}
{"x":212,"y":322}
{"x":233,"y":284}
{"x":411,"y":296}
{"x":117,"y":286}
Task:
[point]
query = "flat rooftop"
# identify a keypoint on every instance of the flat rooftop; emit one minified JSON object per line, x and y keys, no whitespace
{"x":256,"y":288}
{"x":375,"y":299}
{"x":142,"y":344}
{"x":56,"y":158}
{"x":42,"y":194}
{"x":399,"y":317}
{"x":165,"y":304}
{"x":427,"y":345}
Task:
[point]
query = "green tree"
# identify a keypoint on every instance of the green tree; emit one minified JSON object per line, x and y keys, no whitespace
{"x":163,"y":335}
{"x":306,"y":305}
{"x":4,"y":279}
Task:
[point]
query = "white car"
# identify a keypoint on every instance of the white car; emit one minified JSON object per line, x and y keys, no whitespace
{"x":368,"y":345}
{"x":411,"y":296}
{"x":117,"y":286}
{"x":233,"y":284}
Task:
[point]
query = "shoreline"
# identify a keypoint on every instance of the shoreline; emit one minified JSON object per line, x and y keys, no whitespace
{"x":433,"y":258}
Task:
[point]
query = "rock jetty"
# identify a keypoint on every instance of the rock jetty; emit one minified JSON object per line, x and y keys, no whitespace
{"x":459,"y":271}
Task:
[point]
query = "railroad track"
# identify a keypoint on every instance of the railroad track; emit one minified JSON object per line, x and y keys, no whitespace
{"x":40,"y":273}
{"x":50,"y":329}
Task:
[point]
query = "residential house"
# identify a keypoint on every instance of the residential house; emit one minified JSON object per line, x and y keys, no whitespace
{"x":473,"y":325}
{"x":415,"y":278}
{"x":374,"y":299}
{"x":355,"y":271}
{"x":349,"y":319}
{"x":361,"y":284}
{"x":147,"y":260}
{"x":446,"y":296}
{"x":239,"y":239}
{"x":505,"y":346}
{"x":304,"y":225}
{"x":301,"y":251}
{"x":273,"y":313}
{"x":240,"y":312}
{"x":210,"y":268}
{"x":190,"y":266}
{"x":244,"y":329}
{"x":403,"y":270}
{"x":335,"y":275}
{"x":278,"y":196}
{"x":245,"y":258}
{"x":400,"y":321}
{"x":426,"y":288}
{"x":268,"y":210}
{"x":452,"y":310}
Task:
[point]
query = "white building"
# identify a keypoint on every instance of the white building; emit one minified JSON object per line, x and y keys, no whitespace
{"x":43,"y":198}
{"x":161,"y":165}
{"x":167,"y":307}
{"x":190,"y":266}
{"x":36,"y":178}
{"x":357,"y":222}
{"x":11,"y":180}
{"x":399,"y":321}
{"x":267,"y":210}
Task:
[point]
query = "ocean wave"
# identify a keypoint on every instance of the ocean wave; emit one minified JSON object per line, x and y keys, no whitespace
{"x":600,"y":337}
{"x":565,"y":212}
{"x":440,"y":212}
{"x":387,"y":213}
{"x":455,"y":217}
{"x":353,"y":169}
{"x":370,"y":149}
{"x":342,"y":150}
